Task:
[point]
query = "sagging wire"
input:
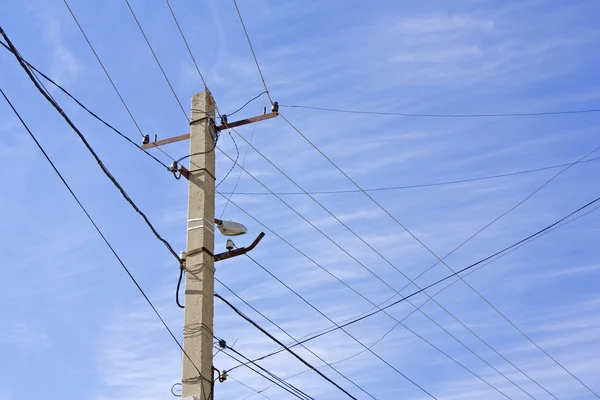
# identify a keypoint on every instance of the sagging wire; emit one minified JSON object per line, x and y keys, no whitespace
{"x":237,"y":157}
{"x":248,"y":102}
{"x":215,"y":136}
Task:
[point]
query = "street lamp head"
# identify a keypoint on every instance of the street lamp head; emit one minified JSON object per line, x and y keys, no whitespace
{"x":230,"y":228}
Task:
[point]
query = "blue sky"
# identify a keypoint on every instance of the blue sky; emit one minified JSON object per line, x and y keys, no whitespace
{"x":72,"y":325}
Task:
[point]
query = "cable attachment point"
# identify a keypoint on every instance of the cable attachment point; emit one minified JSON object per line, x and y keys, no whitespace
{"x":223,"y":376}
{"x":275,"y":107}
{"x":176,"y":170}
{"x":146,"y":139}
{"x":222,"y":343}
{"x":223,"y":119}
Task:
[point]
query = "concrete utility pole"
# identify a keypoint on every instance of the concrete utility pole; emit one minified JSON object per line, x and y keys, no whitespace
{"x":199,"y":278}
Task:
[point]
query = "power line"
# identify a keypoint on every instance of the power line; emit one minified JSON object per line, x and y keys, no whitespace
{"x":411,"y":281}
{"x":187,"y":45}
{"x":294,"y":339}
{"x":237,"y":182}
{"x":273,"y":338}
{"x":103,"y":68}
{"x":108,"y":244}
{"x":441,"y":290}
{"x":498,"y":253}
{"x":65,"y":91}
{"x":156,"y":59}
{"x":106,"y":72}
{"x":441,"y":260}
{"x":369,"y":348}
{"x":525,"y":114}
{"x":89,"y":148}
{"x":237,"y":157}
{"x":450,"y":284}
{"x":301,"y":394}
{"x":260,"y":392}
{"x":339,"y":280}
{"x":252,"y":50}
{"x":421,"y":185}
{"x":274,"y":380}
{"x":408,"y":231}
{"x":398,"y":222}
{"x":248,"y":102}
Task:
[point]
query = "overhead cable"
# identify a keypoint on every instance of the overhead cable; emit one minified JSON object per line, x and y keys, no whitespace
{"x":442,"y":289}
{"x":252,"y":50}
{"x":441,"y":260}
{"x":156,"y":59}
{"x":524,"y":114}
{"x":65,"y":91}
{"x":103,"y":67}
{"x":415,"y":186}
{"x":271,"y":378}
{"x":88,"y":146}
{"x":108,"y":244}
{"x":469,"y":267}
{"x":273,"y":338}
{"x":248,"y":102}
{"x":294,"y":339}
{"x":388,"y":285}
{"x":301,"y":394}
{"x":186,"y":44}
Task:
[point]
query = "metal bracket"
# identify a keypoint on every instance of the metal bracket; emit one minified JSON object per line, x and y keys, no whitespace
{"x":224,"y":125}
{"x":227,"y":254}
{"x":240,"y":251}
{"x":228,"y":125}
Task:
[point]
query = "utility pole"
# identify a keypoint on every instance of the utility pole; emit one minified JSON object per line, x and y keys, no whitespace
{"x":199,"y":260}
{"x":200,"y":269}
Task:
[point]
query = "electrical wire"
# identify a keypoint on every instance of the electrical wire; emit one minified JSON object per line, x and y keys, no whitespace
{"x":329,"y":273}
{"x":409,"y":232}
{"x":274,"y":381}
{"x":237,"y":157}
{"x":106,"y":72}
{"x":248,"y":102}
{"x":273,"y":338}
{"x":252,"y":50}
{"x":390,"y":287}
{"x":368,"y":348}
{"x":103,"y":67}
{"x":237,"y":182}
{"x":525,"y":114}
{"x":181,"y":269}
{"x":441,"y":260}
{"x":469,"y":267}
{"x":46,"y":77}
{"x":156,"y":59}
{"x":215,"y":140}
{"x":421,"y":185}
{"x":89,"y":148}
{"x":398,"y":222}
{"x":294,"y":339}
{"x":108,"y":244}
{"x":441,"y":290}
{"x":249,"y":387}
{"x":301,"y":393}
{"x":187,"y":45}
